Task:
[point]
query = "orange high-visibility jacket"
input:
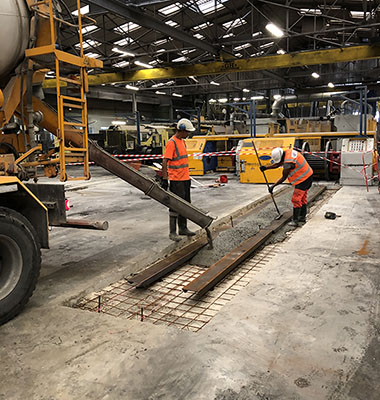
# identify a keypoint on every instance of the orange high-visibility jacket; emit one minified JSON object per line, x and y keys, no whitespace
{"x":302,"y":171}
{"x":178,"y":166}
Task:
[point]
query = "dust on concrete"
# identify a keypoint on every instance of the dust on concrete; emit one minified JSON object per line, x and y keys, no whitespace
{"x":264,"y":390}
{"x":230,"y":239}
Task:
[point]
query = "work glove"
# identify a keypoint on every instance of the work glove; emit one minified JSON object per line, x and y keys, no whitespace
{"x":263,"y":168}
{"x":270,"y":189}
{"x":164,"y":184}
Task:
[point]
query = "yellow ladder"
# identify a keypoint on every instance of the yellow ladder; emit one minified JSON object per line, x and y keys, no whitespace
{"x":67,"y":153}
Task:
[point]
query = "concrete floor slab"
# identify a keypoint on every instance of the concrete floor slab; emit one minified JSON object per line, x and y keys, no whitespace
{"x":306,"y":327}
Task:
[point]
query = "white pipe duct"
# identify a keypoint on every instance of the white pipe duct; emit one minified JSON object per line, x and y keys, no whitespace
{"x":277,"y":104}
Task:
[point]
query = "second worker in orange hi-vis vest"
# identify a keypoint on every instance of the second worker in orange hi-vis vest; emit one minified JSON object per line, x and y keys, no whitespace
{"x":175,"y":166}
{"x":300,"y":175}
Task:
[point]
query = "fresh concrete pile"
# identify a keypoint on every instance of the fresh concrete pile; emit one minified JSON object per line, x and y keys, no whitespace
{"x":230,"y":239}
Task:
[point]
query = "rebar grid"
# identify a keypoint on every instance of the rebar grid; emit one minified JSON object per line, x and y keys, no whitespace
{"x":166,"y":303}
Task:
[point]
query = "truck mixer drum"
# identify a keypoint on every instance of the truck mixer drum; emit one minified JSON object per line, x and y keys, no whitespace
{"x":14,"y":24}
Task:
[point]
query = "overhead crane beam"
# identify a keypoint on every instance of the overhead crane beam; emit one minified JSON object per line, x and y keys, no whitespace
{"x":298,"y":59}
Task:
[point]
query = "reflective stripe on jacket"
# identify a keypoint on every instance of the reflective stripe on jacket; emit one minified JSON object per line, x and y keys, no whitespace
{"x":178,"y":166}
{"x":302,"y":169}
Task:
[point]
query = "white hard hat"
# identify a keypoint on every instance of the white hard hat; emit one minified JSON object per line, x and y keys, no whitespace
{"x":185,"y":124}
{"x":277,"y":154}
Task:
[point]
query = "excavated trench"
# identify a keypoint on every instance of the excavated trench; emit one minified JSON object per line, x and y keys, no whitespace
{"x":254,"y":221}
{"x":165,"y":302}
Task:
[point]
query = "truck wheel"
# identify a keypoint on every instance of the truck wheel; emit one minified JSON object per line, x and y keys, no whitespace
{"x":20,"y":261}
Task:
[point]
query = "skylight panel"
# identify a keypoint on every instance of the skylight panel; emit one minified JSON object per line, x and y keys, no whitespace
{"x":357,"y":14}
{"x":92,"y":55}
{"x":171,"y":23}
{"x":89,"y":28}
{"x":83,"y":10}
{"x":89,"y":43}
{"x":161,"y":51}
{"x":171,"y":9}
{"x":128,"y":27}
{"x":198,"y":36}
{"x":121,"y":64}
{"x":208,"y":6}
{"x":234,"y":23}
{"x":243,"y":46}
{"x":123,"y":42}
{"x":200,"y":27}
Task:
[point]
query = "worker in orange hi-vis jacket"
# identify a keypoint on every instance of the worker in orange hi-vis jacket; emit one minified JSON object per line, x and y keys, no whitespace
{"x":175,"y":167}
{"x":300,"y":175}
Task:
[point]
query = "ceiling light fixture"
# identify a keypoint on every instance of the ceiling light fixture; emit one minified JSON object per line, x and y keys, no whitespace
{"x":176,"y":95}
{"x":123,"y":52}
{"x":315,"y":75}
{"x":223,"y":100}
{"x":281,"y":51}
{"x":158,"y":92}
{"x":214,"y":83}
{"x":274,"y":30}
{"x":258,"y":97}
{"x":277,"y":96}
{"x":130,"y":87}
{"x":246,"y":90}
{"x":119,"y":123}
{"x":330,"y":85}
{"x":141,"y":64}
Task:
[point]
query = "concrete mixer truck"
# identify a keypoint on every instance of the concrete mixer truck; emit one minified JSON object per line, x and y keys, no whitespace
{"x":28,"y":47}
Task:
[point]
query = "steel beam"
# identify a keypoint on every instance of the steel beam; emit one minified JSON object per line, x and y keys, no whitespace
{"x":147,"y":21}
{"x":298,"y":59}
{"x":167,"y":265}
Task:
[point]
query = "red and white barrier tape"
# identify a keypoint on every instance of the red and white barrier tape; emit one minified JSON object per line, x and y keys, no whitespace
{"x":143,"y":157}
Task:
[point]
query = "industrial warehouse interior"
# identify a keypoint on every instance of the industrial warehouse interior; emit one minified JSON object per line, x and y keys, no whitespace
{"x":189,"y":199}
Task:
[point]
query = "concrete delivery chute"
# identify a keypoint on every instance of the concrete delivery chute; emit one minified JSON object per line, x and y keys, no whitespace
{"x":27,"y":210}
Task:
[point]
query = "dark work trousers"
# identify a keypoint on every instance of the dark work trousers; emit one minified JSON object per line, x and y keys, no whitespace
{"x":181,"y":189}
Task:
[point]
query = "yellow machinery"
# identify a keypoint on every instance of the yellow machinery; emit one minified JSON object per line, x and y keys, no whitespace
{"x":200,"y":165}
{"x":249,"y":164}
{"x":120,"y":139}
{"x":154,"y":138}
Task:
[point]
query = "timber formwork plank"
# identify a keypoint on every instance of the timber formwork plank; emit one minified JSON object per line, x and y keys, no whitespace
{"x":230,"y":261}
{"x":168,"y":264}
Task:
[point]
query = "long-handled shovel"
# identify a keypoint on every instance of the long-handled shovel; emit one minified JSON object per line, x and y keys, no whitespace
{"x":266,"y":181}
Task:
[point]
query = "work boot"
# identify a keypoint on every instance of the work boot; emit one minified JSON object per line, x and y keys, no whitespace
{"x":303,"y":212}
{"x":182,"y":224}
{"x":296,"y":216}
{"x":173,"y":229}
